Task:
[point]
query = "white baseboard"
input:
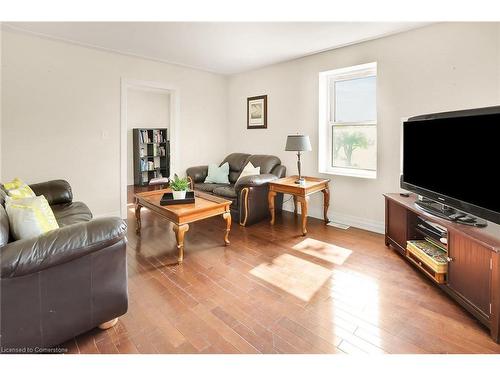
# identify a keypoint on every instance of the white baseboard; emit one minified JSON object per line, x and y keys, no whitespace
{"x":359,"y":222}
{"x":342,"y":218}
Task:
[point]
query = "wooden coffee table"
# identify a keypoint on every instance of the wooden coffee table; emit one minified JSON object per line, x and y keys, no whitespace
{"x":300,"y":194}
{"x":181,"y":215}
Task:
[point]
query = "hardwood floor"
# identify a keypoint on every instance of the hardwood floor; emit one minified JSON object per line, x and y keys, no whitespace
{"x":274,"y":291}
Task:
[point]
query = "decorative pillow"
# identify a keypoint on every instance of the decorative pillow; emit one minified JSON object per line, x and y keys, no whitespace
{"x":249,"y":170}
{"x":18,"y":189}
{"x":29,"y":217}
{"x":4,"y":227}
{"x":218,"y":175}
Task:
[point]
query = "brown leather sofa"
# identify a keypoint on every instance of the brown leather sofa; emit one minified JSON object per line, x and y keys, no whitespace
{"x":249,"y":194}
{"x":64,"y":282}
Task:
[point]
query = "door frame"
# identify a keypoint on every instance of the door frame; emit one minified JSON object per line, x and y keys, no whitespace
{"x":127,"y":84}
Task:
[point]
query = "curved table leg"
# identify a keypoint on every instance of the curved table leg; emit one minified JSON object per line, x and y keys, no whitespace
{"x":303,"y":213}
{"x":326,"y":204}
{"x":227,"y":216}
{"x":180,"y":231}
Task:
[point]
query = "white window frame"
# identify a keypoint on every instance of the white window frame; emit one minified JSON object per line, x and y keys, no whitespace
{"x":326,"y":120}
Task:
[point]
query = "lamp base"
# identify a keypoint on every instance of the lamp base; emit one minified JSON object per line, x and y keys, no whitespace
{"x":301,"y":181}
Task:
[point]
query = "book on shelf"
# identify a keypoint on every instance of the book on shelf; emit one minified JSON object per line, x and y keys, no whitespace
{"x":157,"y":162}
{"x":147,"y":166}
{"x":156,"y":150}
{"x":156,"y":136}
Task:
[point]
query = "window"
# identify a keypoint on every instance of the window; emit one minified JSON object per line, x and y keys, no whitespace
{"x":348,"y":121}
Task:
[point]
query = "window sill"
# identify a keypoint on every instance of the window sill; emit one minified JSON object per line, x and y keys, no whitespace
{"x":350,"y":172}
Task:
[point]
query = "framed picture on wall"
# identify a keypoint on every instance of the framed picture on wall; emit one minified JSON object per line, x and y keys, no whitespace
{"x":257,"y":112}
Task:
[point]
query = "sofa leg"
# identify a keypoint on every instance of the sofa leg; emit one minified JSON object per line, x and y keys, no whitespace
{"x":109,"y":324}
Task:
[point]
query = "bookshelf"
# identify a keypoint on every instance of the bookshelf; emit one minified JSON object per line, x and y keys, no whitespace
{"x":151,"y":150}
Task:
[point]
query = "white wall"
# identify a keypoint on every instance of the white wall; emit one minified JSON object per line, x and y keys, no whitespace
{"x":1,"y":102}
{"x":61,"y":108}
{"x":437,"y":68}
{"x":61,"y":116}
{"x":145,"y":109}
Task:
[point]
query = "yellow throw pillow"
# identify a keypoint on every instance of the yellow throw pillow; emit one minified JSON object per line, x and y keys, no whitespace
{"x":29,"y":217}
{"x":18,"y":189}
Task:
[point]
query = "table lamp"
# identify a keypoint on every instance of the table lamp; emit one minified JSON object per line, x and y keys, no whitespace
{"x":298,"y":142}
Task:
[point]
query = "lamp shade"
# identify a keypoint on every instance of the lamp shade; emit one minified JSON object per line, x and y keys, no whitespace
{"x":298,"y":142}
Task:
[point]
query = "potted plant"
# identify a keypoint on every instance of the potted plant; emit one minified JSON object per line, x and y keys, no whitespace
{"x":179,"y":187}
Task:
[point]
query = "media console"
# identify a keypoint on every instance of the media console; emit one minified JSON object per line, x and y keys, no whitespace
{"x":472,"y":276}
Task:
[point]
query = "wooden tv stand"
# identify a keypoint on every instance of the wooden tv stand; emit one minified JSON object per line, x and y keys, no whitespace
{"x":473,"y":278}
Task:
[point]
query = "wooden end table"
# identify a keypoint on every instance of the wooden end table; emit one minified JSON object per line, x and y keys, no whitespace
{"x":181,"y":215}
{"x":300,"y":194}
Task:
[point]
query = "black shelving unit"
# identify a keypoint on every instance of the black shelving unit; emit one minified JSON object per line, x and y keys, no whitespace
{"x":151,"y":154}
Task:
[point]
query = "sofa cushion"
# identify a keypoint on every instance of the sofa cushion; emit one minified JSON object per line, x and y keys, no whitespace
{"x":3,"y":194}
{"x":71,"y":213}
{"x":4,"y":227}
{"x":265,"y":162}
{"x":55,"y":191}
{"x":208,"y":188}
{"x":236,"y":163}
{"x":225,"y":191}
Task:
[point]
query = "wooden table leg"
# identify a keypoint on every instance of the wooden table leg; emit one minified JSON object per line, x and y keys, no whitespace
{"x":295,"y":205}
{"x":138,"y":218}
{"x":179,"y":231}
{"x":303,"y":212}
{"x":326,"y":204}
{"x":227,"y":216}
{"x":270,"y":198}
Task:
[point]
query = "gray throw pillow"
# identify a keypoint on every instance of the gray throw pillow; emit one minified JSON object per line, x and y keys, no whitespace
{"x":4,"y":227}
{"x":218,"y":175}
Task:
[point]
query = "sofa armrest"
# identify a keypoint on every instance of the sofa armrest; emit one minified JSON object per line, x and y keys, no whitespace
{"x":55,"y":191}
{"x":59,"y":246}
{"x":254,"y":181}
{"x":198,"y":174}
{"x":279,"y":171}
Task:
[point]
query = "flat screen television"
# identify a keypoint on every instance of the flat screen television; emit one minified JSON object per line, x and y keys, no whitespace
{"x":454,"y":158}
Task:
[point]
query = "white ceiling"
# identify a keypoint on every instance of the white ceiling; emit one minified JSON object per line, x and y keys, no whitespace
{"x":220,"y":47}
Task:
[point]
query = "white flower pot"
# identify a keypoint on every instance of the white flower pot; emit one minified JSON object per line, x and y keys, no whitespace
{"x":179,"y":194}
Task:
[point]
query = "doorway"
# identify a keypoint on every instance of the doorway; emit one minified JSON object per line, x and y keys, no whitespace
{"x":145,"y":104}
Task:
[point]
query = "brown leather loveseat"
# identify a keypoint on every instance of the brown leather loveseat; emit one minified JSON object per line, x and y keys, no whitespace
{"x":64,"y":282}
{"x":249,"y":194}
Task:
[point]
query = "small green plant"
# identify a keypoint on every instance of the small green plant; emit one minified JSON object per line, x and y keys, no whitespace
{"x":179,"y":184}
